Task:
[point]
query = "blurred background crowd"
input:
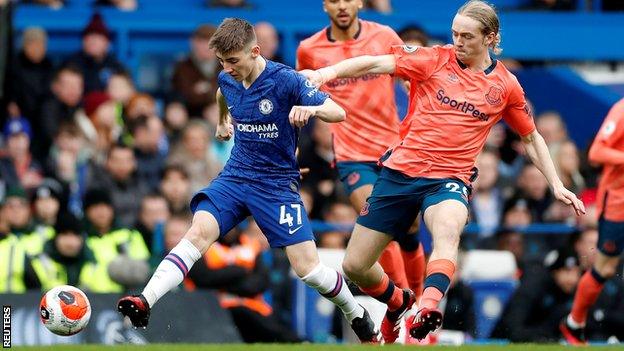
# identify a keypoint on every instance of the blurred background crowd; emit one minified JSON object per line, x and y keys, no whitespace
{"x":96,"y":175}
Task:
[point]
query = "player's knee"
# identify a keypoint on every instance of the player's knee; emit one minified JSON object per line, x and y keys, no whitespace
{"x":446,"y":232}
{"x":202,"y":233}
{"x":352,"y":268}
{"x":606,"y":271}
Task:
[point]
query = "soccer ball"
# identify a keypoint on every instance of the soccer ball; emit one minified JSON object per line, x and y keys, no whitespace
{"x":65,"y":310}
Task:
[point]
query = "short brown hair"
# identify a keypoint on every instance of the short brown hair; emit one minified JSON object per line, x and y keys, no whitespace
{"x":233,"y":34}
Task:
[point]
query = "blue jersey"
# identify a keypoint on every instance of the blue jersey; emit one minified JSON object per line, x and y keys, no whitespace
{"x":264,"y":140}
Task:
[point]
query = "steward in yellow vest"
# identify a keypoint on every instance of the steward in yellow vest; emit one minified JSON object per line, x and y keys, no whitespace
{"x":66,"y":259}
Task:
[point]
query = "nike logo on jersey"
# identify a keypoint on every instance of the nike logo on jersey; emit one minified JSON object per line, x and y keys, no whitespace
{"x":293,"y":231}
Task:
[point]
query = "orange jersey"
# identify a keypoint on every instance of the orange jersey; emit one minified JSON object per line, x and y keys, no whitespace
{"x":451,"y":112}
{"x":372,"y":123}
{"x":610,"y":199}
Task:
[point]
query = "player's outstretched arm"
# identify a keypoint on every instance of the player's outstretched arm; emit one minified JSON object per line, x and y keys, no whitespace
{"x":225,"y":130}
{"x":537,"y":150}
{"x":329,"y":111}
{"x":353,"y":67}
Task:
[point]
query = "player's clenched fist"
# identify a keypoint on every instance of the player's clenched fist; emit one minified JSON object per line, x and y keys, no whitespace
{"x":320,"y":76}
{"x":299,"y":115}
{"x":224,"y":131}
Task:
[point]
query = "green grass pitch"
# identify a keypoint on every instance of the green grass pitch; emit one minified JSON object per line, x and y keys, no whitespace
{"x":308,"y":347}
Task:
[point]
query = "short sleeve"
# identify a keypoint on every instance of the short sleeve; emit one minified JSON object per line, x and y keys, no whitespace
{"x":518,"y":114}
{"x":303,"y":60}
{"x":415,"y":62}
{"x":305,"y":93}
{"x":612,"y":128}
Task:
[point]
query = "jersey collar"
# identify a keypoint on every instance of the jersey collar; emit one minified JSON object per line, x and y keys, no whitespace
{"x":486,"y":71}
{"x":331,"y":39}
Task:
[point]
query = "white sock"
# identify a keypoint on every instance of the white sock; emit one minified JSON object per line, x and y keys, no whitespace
{"x":574,"y":324}
{"x":332,"y":286}
{"x":171,"y":271}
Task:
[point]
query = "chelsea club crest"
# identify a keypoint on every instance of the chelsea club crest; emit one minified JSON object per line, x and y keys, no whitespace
{"x":265,"y":106}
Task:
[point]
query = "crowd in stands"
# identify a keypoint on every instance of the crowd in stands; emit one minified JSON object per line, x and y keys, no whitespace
{"x":96,"y":177}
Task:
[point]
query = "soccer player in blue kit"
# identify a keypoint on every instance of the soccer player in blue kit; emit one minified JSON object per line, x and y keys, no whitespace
{"x":263,"y":104}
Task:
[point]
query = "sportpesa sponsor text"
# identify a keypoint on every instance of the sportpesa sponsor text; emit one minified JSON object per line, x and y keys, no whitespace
{"x":462,"y":106}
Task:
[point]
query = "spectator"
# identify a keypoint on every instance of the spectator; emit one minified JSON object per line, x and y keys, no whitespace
{"x":123,"y":5}
{"x":121,"y":182}
{"x":567,"y":163}
{"x":120,"y":252}
{"x":487,"y":199}
{"x":95,"y":61}
{"x":18,"y":214}
{"x":551,"y":126}
{"x":516,"y":213}
{"x":553,"y":5}
{"x":147,"y":132}
{"x":47,"y":201}
{"x":153,"y":214}
{"x":70,"y":163}
{"x":102,"y":128}
{"x":121,"y":88}
{"x":534,"y":188}
{"x":195,"y":78}
{"x":195,"y":155}
{"x":46,"y":205}
{"x":53,"y":4}
{"x":176,"y":117}
{"x":542,"y":300}
{"x":16,"y":272}
{"x":318,"y":155}
{"x":30,"y":80}
{"x":140,"y":105}
{"x":176,"y":188}
{"x":343,"y":216}
{"x":585,"y":244}
{"x":383,"y":6}
{"x":229,"y":3}
{"x":268,"y":40}
{"x":63,"y":106}
{"x":512,"y":241}
{"x":18,"y":168}
{"x":66,"y":259}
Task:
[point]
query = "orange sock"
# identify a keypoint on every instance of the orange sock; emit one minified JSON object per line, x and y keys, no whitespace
{"x":415,"y":263}
{"x":439,"y":275}
{"x":392,"y":263}
{"x":587,"y":293}
{"x":386,"y":292}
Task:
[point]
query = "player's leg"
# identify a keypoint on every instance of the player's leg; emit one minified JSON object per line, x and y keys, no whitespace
{"x":389,"y":212}
{"x":445,"y":213}
{"x":172,"y":269}
{"x":390,"y":259}
{"x":281,"y":216}
{"x":358,"y":179}
{"x":209,"y":221}
{"x":610,"y":246}
{"x":414,"y":260}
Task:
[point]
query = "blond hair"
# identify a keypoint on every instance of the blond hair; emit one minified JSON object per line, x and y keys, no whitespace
{"x":485,"y":14}
{"x":232,"y":35}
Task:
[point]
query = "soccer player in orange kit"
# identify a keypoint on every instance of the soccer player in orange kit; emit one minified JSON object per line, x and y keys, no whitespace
{"x":458,"y":92}
{"x":371,"y":127}
{"x":607,"y":150}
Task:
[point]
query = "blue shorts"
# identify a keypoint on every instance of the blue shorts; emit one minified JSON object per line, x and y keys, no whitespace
{"x":357,"y":174}
{"x":610,"y":237}
{"x":276,"y":207}
{"x":397,"y":199}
